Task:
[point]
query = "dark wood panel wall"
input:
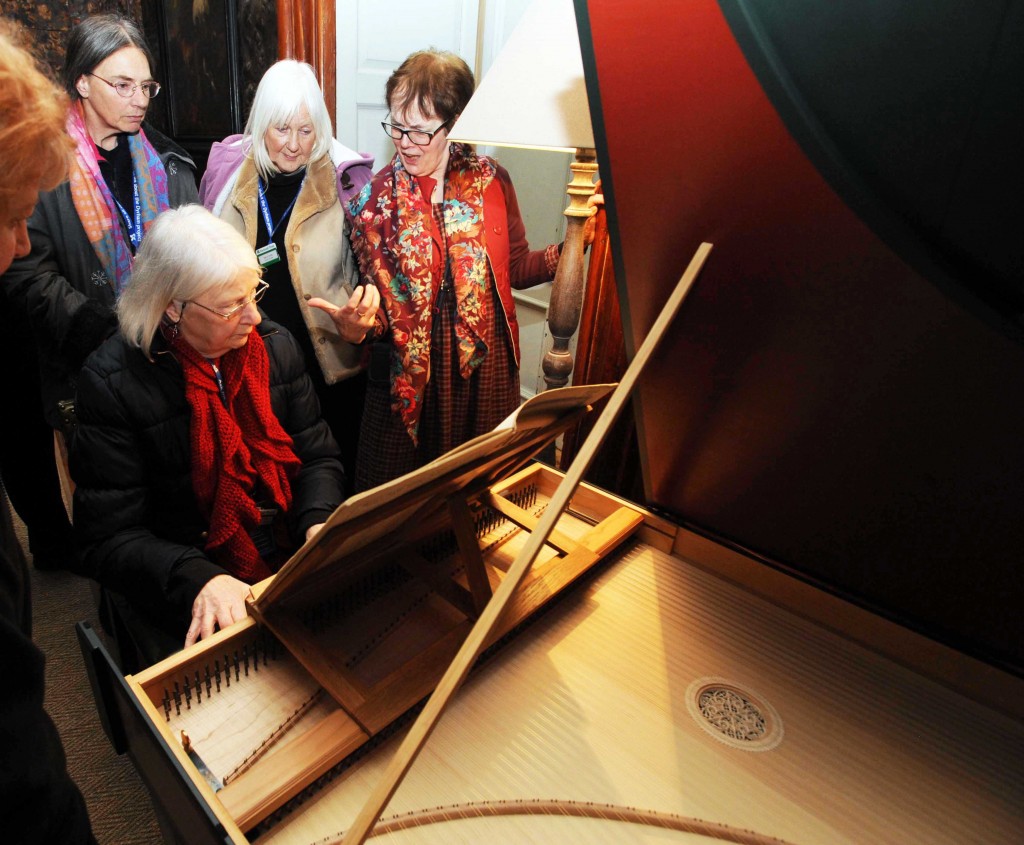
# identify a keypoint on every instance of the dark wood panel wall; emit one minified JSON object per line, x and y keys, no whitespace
{"x":48,"y":24}
{"x":209,"y":65}
{"x":210,"y":62}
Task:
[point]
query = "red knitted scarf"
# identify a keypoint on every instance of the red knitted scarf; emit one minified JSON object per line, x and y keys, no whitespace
{"x":233,"y":448}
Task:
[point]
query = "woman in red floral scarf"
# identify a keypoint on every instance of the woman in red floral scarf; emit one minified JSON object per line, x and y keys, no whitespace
{"x":441,"y":244}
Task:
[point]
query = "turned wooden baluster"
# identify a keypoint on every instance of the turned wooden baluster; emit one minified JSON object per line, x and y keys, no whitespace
{"x":567,"y":290}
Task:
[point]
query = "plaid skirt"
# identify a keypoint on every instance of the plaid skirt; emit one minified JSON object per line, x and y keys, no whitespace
{"x":454,"y":409}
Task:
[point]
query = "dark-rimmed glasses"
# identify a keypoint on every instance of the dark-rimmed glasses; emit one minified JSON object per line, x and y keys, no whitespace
{"x":420,"y":137}
{"x":126,"y":89}
{"x":255,"y":296}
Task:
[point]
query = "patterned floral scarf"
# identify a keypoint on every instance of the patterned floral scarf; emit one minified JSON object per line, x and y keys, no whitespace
{"x":393,"y":236}
{"x":234,"y":448}
{"x":95,"y":205}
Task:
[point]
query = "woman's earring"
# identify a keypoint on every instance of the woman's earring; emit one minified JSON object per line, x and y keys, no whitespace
{"x":175,"y":328}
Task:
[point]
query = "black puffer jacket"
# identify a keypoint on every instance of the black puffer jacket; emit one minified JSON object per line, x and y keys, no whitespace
{"x":60,"y":285}
{"x":137,"y":522}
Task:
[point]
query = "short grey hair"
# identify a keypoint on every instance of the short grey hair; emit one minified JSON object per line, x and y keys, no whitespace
{"x":284,"y":89}
{"x":186,"y":253}
{"x":95,"y":38}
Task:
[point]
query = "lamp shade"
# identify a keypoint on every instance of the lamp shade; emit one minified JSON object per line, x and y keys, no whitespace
{"x":533,"y":95}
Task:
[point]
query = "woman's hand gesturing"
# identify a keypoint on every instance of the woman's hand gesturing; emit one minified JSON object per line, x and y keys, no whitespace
{"x":356,"y":317}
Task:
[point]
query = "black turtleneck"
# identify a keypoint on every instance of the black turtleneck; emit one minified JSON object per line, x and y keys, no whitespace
{"x":280,"y":302}
{"x":116,"y":167}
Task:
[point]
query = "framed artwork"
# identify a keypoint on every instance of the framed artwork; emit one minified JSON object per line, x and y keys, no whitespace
{"x":200,"y":56}
{"x":210,"y":56}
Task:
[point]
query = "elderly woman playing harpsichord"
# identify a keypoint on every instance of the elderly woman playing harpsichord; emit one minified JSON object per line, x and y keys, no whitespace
{"x":201,"y":458}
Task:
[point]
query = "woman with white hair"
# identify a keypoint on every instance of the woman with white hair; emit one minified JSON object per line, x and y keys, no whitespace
{"x":200,"y":444}
{"x":285,"y":185}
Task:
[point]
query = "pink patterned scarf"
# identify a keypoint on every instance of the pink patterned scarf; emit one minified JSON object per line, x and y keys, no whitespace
{"x":95,"y":204}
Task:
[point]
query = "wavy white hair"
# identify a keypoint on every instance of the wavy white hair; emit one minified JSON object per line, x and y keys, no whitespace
{"x":186,"y":253}
{"x":284,"y":89}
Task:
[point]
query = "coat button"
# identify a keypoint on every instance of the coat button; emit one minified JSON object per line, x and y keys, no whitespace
{"x":204,"y":535}
{"x":295,"y":247}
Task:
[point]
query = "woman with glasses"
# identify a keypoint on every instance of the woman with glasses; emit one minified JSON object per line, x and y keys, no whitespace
{"x":283,"y":185}
{"x":85,"y":233}
{"x":201,"y":459}
{"x":439,"y":234}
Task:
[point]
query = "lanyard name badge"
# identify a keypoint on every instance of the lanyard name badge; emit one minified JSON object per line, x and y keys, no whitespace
{"x":267,"y":255}
{"x":134,"y":226}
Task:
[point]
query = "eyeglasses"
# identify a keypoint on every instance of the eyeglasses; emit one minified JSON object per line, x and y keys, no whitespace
{"x":255,"y":296}
{"x":126,"y":89}
{"x":420,"y":137}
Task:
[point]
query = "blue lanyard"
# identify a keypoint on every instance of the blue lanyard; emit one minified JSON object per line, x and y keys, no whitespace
{"x":265,"y":209}
{"x":134,"y":227}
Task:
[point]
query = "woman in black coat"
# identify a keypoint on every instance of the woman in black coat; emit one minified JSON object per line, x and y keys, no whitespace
{"x":39,"y":803}
{"x":201,"y":460}
{"x":85,"y":231}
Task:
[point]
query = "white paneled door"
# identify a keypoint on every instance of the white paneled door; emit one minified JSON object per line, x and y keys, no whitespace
{"x":373,"y":39}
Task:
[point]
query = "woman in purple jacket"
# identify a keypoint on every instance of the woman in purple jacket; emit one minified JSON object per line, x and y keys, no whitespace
{"x":284,"y":185}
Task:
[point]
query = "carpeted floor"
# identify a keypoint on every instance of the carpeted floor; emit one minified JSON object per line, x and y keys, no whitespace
{"x":119,"y":805}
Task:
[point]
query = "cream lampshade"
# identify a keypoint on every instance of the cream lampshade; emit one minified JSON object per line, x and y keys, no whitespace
{"x":534,"y":96}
